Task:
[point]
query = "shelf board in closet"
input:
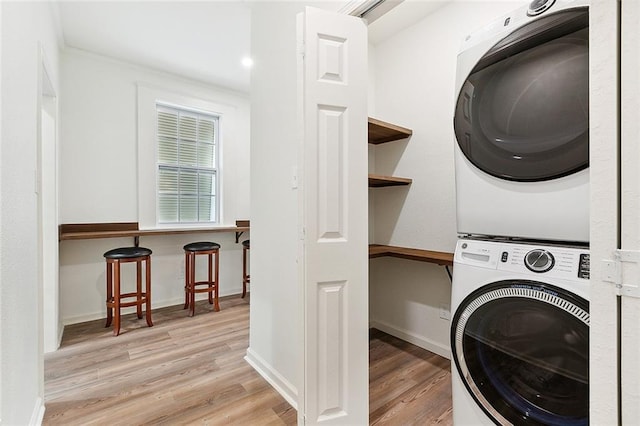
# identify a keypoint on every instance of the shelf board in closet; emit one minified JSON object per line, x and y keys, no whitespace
{"x":382,"y":132}
{"x":378,"y":181}
{"x":430,"y":256}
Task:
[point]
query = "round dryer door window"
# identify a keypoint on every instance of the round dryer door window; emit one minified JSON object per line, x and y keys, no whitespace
{"x":523,"y":112}
{"x":522,"y":351}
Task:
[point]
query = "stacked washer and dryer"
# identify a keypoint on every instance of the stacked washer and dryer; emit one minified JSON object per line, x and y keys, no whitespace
{"x":520,"y":291}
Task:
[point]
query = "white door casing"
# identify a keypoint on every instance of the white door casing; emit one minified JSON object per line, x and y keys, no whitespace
{"x":604,"y":209}
{"x":630,"y":150}
{"x":334,"y":218}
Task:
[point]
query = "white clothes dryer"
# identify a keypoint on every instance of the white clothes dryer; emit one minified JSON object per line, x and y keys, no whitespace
{"x":520,"y":334}
{"x":522,"y":125}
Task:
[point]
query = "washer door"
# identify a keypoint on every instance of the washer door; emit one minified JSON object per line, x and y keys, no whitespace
{"x":523,"y":112}
{"x":522,"y":351}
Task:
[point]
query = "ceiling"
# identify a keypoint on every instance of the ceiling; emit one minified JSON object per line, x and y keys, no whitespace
{"x":405,"y":14}
{"x":201,"y":40}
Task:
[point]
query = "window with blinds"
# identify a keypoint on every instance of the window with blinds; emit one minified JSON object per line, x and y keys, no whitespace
{"x":187,"y":165}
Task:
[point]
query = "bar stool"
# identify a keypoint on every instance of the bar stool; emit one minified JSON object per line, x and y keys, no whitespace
{"x":246,"y":278}
{"x":114,"y":296}
{"x":190,"y":284}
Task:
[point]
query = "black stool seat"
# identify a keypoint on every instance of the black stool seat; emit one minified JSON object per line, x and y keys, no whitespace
{"x":127,"y":252}
{"x":201,"y":246}
{"x":246,"y":244}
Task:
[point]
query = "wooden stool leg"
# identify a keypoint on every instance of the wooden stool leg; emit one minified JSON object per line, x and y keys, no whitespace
{"x":187,"y":272}
{"x":148,"y":289}
{"x":116,"y":297}
{"x":139,"y":288}
{"x":216,"y":307}
{"x":244,"y":271}
{"x":109,"y":293}
{"x":192,"y":285}
{"x":211,"y":283}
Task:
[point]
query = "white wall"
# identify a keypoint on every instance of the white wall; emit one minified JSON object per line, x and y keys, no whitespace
{"x":414,"y":87}
{"x":1,"y":201}
{"x":99,"y":172}
{"x":371,"y":109}
{"x":25,"y":27}
{"x":99,"y":156}
{"x":276,"y":345}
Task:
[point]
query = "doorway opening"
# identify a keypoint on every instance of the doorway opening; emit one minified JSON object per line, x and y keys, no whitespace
{"x":47,"y":192}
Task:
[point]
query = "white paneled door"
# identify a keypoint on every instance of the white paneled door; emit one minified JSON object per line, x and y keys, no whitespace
{"x":333,"y":73}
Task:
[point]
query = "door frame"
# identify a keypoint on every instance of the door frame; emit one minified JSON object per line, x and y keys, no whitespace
{"x":46,"y":182}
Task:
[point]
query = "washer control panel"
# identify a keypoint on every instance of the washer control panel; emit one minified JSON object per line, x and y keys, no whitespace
{"x":571,"y":263}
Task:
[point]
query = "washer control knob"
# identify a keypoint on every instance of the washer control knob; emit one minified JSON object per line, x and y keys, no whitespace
{"x":536,"y":7}
{"x":539,"y":260}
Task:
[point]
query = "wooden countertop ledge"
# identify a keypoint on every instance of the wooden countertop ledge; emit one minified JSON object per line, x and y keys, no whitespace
{"x":87,"y":231}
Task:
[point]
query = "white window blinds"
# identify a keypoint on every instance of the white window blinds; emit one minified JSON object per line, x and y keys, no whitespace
{"x":187,"y":165}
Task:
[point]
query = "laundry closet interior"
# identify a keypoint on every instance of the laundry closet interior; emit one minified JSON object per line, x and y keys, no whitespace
{"x":414,"y":83}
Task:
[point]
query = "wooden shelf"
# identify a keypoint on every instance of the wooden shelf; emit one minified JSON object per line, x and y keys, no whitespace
{"x":437,"y":257}
{"x":382,"y":132}
{"x":378,"y":181}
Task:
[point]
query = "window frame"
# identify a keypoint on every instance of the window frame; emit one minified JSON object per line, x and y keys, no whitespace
{"x":148,"y":97}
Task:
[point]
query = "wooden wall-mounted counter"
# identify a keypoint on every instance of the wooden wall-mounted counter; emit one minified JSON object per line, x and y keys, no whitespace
{"x":81,"y":231}
{"x":437,"y":257}
{"x":88,"y":231}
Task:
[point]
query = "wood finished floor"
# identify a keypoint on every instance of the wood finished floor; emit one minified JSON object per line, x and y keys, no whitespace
{"x":192,"y":371}
{"x":407,"y":384}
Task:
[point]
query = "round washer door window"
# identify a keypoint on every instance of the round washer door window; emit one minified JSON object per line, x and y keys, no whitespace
{"x":523,"y":112}
{"x":522,"y":351}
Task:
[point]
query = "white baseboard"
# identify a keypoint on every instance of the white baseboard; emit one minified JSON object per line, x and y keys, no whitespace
{"x":38,"y":413}
{"x":102,"y":314}
{"x":154,"y":305}
{"x":60,"y":333}
{"x":275,"y":379}
{"x":83,"y":318}
{"x":421,"y":341}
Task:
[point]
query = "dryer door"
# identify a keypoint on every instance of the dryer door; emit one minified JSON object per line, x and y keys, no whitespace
{"x":522,"y":350}
{"x":523,"y":112}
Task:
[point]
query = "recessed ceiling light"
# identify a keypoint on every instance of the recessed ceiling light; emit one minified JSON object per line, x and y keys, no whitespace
{"x":247,"y":62}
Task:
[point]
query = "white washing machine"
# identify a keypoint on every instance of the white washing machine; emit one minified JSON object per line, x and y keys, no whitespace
{"x":520,"y":334}
{"x":522,"y":125}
